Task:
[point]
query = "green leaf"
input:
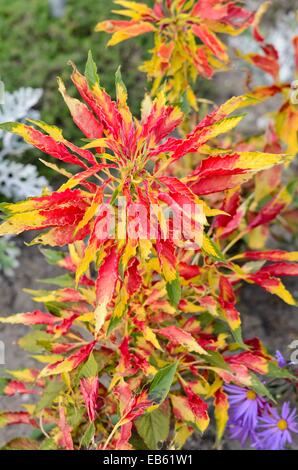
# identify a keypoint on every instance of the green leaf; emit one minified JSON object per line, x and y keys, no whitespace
{"x":260,"y":388}
{"x":90,"y":368}
{"x":52,"y":256}
{"x":3,"y":383}
{"x":120,"y":86}
{"x":35,"y":341}
{"x":75,"y":417}
{"x":8,"y":126}
{"x":161,"y":384}
{"x":91,"y":71}
{"x":215,"y":359}
{"x":88,"y":436}
{"x":154,"y":427}
{"x":137,"y":442}
{"x":212,"y":249}
{"x":48,"y":444}
{"x":51,"y":391}
{"x":279,"y":372}
{"x":65,"y":280}
{"x":174,"y":292}
{"x":114,"y":322}
{"x":38,"y":434}
{"x":114,"y":196}
{"x":237,"y":334}
{"x":56,"y":307}
{"x":184,"y":104}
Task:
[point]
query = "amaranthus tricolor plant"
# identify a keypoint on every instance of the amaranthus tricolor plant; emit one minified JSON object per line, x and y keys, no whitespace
{"x":142,"y":338}
{"x":186,"y":42}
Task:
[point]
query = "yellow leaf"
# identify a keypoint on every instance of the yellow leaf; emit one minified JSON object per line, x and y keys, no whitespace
{"x":182,"y":433}
{"x":100,"y":315}
{"x":145,"y":248}
{"x":89,"y":256}
{"x":260,"y":161}
{"x":221,"y":407}
{"x":141,"y":8}
{"x":90,"y":212}
{"x":55,"y":167}
{"x":121,"y":303}
{"x":86,"y":317}
{"x":53,"y":131}
{"x":24,"y":375}
{"x":129,"y":252}
{"x":97,"y":143}
{"x":47,"y":359}
{"x":283,"y":293}
{"x":150,"y":336}
{"x":20,"y":222}
{"x":190,"y":307}
{"x":131,"y":31}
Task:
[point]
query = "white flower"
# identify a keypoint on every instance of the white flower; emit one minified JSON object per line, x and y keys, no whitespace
{"x":18,"y":180}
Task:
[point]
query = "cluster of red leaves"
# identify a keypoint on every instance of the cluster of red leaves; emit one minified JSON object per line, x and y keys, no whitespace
{"x":186,"y":38}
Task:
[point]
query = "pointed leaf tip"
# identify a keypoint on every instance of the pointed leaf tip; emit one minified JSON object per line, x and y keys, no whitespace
{"x":8,"y":126}
{"x":91,"y":71}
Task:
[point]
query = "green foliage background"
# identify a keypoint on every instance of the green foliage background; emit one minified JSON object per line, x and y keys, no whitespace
{"x":35,"y":47}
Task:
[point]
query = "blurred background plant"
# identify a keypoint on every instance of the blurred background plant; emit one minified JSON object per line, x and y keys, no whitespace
{"x":9,"y":253}
{"x":280,"y":29}
{"x":17,"y":180}
{"x":54,"y":32}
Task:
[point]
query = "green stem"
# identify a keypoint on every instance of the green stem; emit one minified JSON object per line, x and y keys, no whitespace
{"x":235,"y":240}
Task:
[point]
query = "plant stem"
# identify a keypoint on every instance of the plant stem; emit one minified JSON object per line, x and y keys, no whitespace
{"x":235,"y":240}
{"x":111,"y":436}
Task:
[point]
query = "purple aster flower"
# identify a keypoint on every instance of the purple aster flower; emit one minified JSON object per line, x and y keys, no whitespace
{"x":241,"y":433}
{"x":245,"y":406}
{"x":280,"y":359}
{"x":274,"y":428}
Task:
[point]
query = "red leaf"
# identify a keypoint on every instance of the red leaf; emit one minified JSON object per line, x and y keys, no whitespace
{"x":227,"y":301}
{"x":65,"y":439}
{"x":270,"y":255}
{"x":188,"y":271}
{"x":70,"y":363}
{"x":8,"y":418}
{"x":107,"y":277}
{"x":105,"y":285}
{"x":198,"y":406}
{"x":37,"y":317}
{"x":295,"y":44}
{"x":15,"y":387}
{"x":266,"y":63}
{"x":280,"y":269}
{"x":134,"y":280}
{"x":218,"y":183}
{"x":137,"y":405}
{"x":123,"y":440}
{"x":201,"y":63}
{"x":211,"y":41}
{"x":230,"y":205}
{"x":89,"y":389}
{"x":82,"y":116}
{"x":177,"y":336}
{"x":252,"y":361}
{"x":48,"y":145}
{"x":101,"y":104}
